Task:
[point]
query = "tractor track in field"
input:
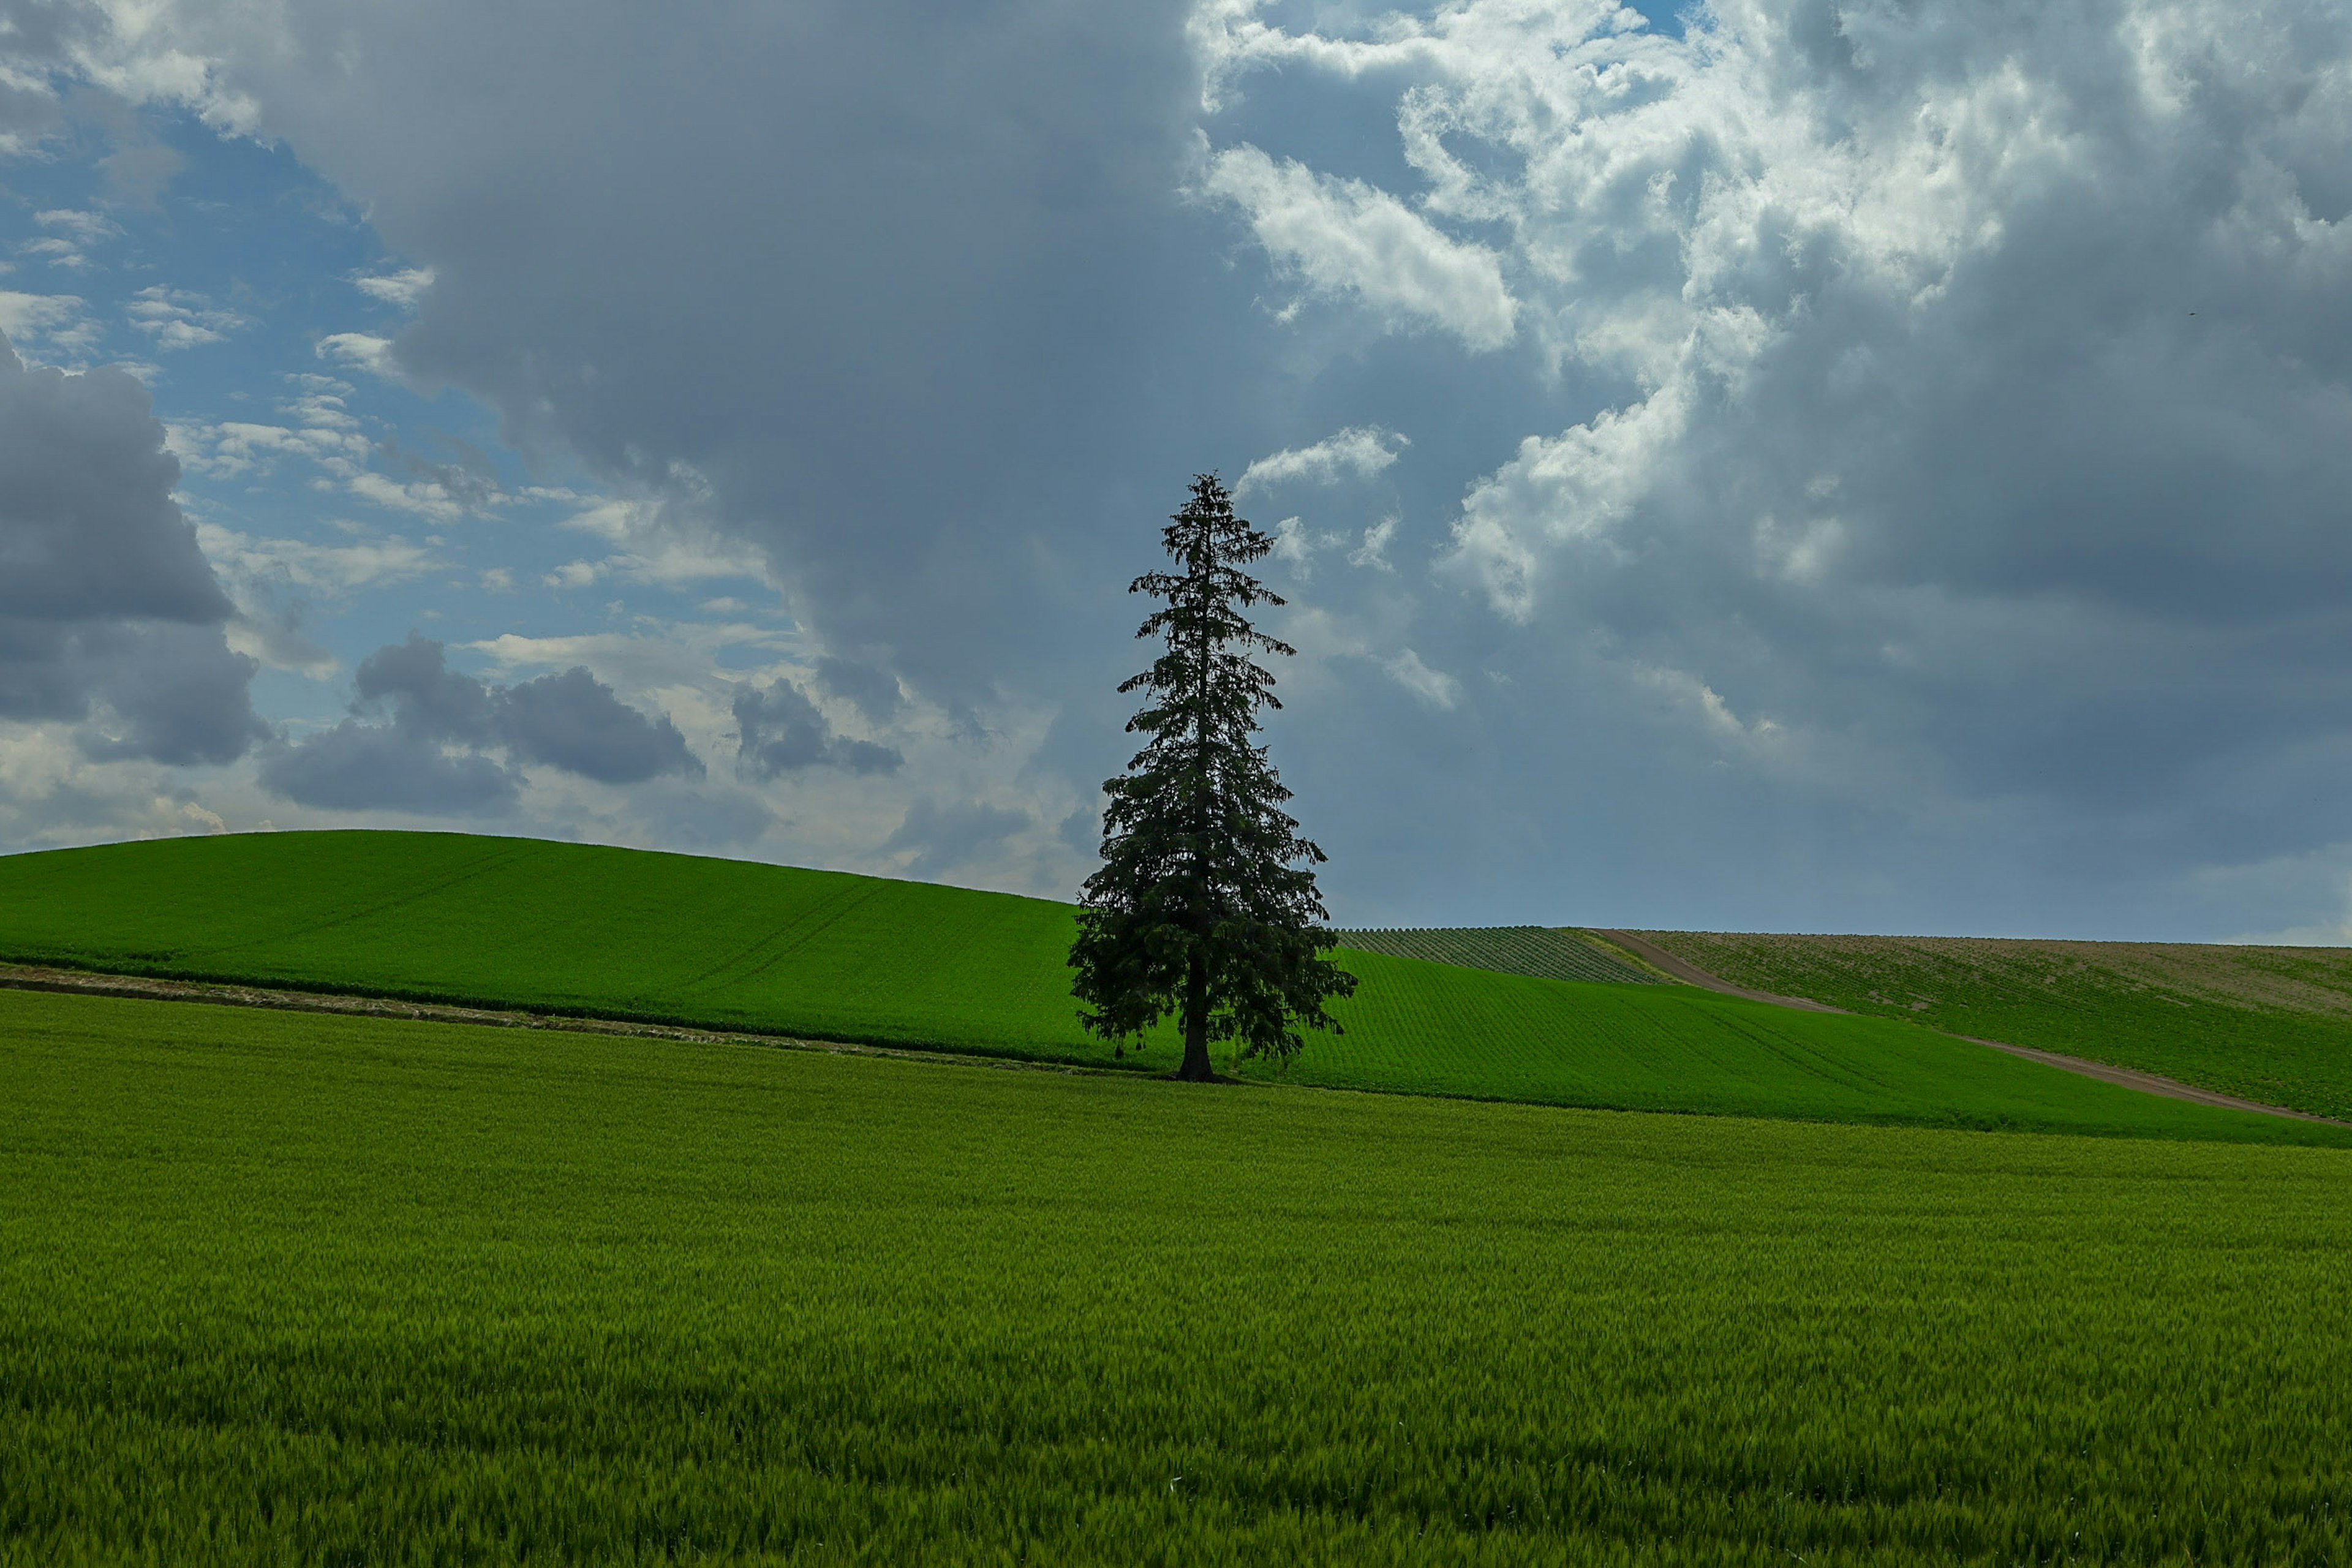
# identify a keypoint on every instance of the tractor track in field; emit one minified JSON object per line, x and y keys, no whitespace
{"x":2126,"y":1078}
{"x":151,"y":989}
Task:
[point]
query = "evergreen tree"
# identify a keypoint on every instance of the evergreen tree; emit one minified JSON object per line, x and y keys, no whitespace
{"x":1205,"y":905}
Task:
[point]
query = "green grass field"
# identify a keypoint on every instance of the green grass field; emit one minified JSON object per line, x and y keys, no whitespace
{"x":2269,"y":1024}
{"x":522,"y":922}
{"x":279,"y":1288}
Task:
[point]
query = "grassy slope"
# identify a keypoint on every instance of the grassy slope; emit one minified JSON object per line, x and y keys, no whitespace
{"x":531,"y":924}
{"x":282,"y":1288}
{"x":2270,"y":1024}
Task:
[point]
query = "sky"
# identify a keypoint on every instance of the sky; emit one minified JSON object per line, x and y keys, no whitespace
{"x":1881,"y":466}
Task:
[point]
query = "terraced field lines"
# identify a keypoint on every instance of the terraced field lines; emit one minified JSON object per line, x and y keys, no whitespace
{"x":1537,"y":950}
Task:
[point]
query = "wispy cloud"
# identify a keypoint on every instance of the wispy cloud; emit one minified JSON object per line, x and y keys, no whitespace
{"x":176,"y":318}
{"x":60,"y":322}
{"x":81,"y":228}
{"x":404,"y":288}
{"x":359,"y":351}
{"x":235,"y":449}
{"x":1358,"y":452}
{"x":656,"y":548}
{"x":1374,"y":550}
{"x":55,"y":252}
{"x":1430,"y":688}
{"x":260,"y":560}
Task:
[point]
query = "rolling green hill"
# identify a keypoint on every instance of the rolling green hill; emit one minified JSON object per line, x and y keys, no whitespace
{"x":565,"y":927}
{"x":2267,"y":1024}
{"x":288,"y":1288}
{"x":526,"y":923}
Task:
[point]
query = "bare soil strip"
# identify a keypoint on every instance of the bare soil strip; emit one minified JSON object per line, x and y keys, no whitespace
{"x":2126,"y":1078}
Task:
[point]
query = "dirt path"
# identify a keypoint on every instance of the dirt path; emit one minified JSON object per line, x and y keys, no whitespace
{"x":2126,"y":1078}
{"x":1690,"y":973}
{"x":2132,"y":1077}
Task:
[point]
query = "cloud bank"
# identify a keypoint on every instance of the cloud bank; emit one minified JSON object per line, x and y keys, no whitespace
{"x":110,"y":619}
{"x":1970,"y":390}
{"x":1839,"y":462}
{"x":425,"y":739}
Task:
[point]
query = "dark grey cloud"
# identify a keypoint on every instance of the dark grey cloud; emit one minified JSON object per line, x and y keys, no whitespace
{"x":415,"y":748}
{"x":110,"y":615}
{"x":357,"y":766}
{"x":41,"y":36}
{"x":422,"y":736}
{"x":172,"y":694}
{"x":874,"y":691}
{"x":783,"y":731}
{"x":946,"y":837}
{"x":573,"y":722}
{"x":426,"y":697}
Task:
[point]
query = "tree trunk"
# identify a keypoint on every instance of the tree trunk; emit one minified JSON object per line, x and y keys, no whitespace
{"x":1196,"y":1069}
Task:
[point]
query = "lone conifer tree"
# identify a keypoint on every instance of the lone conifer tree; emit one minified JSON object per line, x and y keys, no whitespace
{"x":1205,"y":905}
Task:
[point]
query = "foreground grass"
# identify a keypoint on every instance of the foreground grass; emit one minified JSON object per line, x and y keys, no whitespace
{"x":520,"y":922}
{"x":280,"y":1287}
{"x":2270,"y":1024}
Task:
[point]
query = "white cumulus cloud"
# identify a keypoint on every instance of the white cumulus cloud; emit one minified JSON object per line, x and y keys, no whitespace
{"x":1343,"y":236}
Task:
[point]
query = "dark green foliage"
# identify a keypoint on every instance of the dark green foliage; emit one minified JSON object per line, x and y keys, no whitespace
{"x":1540,"y":950}
{"x":1205,"y":905}
{"x":624,"y":933}
{"x":278,"y":1289}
